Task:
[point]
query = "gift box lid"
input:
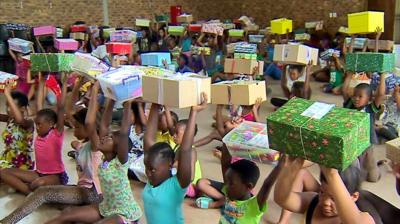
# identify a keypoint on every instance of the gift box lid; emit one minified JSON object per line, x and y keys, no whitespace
{"x":252,"y":134}
{"x":4,"y":76}
{"x":121,"y":75}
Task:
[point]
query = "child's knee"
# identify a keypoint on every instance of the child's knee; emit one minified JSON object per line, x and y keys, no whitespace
{"x":202,"y":183}
{"x":37,"y":183}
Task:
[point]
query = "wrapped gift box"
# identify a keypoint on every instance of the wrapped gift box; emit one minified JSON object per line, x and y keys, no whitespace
{"x":317,"y":25}
{"x":302,"y":36}
{"x":396,"y":51}
{"x":17,"y":26}
{"x":179,"y":91}
{"x":365,"y":22}
{"x":20,"y":45}
{"x":195,"y":28}
{"x":256,"y":38}
{"x":238,"y":92}
{"x":243,"y":47}
{"x":215,"y":28}
{"x":107,"y":32}
{"x":176,"y":30}
{"x":78,"y":28}
{"x":383,"y":45}
{"x":393,"y":150}
{"x":77,"y":36}
{"x":123,"y":36}
{"x":119,"y":48}
{"x":4,"y":77}
{"x":121,"y":84}
{"x":280,"y":26}
{"x":230,"y":48}
{"x":245,"y":20}
{"x":184,"y":18}
{"x":243,"y":66}
{"x":326,"y":55}
{"x":322,"y":133}
{"x":358,"y":42}
{"x":155,"y":58}
{"x":88,"y":65}
{"x":49,"y":62}
{"x":59,"y":32}
{"x":162,"y":18}
{"x":143,"y":22}
{"x":252,"y":28}
{"x":370,"y":62}
{"x":391,"y":80}
{"x":198,"y":50}
{"x":343,"y":29}
{"x":66,"y":44}
{"x":236,"y":33}
{"x":295,"y":54}
{"x":245,"y":56}
{"x":250,"y":141}
{"x":228,"y":26}
{"x":44,"y":30}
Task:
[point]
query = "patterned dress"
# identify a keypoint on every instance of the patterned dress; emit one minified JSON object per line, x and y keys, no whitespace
{"x":18,"y":144}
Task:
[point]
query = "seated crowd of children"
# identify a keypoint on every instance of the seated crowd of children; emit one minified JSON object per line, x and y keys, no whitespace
{"x":153,"y":137}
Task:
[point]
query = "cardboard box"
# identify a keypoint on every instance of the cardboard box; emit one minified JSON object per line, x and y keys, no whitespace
{"x":121,"y":84}
{"x":20,"y":45}
{"x":295,"y":54}
{"x":176,"y":30}
{"x":123,"y":36}
{"x":78,"y":36}
{"x":302,"y":36}
{"x":365,"y":22}
{"x":280,"y":26}
{"x":215,"y":28}
{"x":4,"y":77}
{"x":370,"y":62}
{"x":322,"y":133}
{"x":176,"y":91}
{"x":119,"y":48}
{"x":88,"y":65}
{"x":245,"y":20}
{"x":238,"y":92}
{"x":236,"y":33}
{"x":155,"y":58}
{"x":143,"y":22}
{"x":185,"y":18}
{"x":51,"y":62}
{"x":317,"y":25}
{"x":393,"y":150}
{"x":243,"y":66}
{"x":252,"y":28}
{"x":78,"y":28}
{"x":66,"y":44}
{"x":383,"y":45}
{"x":44,"y":30}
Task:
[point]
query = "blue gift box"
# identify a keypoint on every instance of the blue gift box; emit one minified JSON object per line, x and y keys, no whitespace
{"x":155,"y":58}
{"x":390,"y":82}
{"x":122,"y":84}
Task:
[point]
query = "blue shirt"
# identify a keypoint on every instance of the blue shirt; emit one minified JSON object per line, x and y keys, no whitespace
{"x":163,"y":204}
{"x":184,"y":69}
{"x":186,"y":43}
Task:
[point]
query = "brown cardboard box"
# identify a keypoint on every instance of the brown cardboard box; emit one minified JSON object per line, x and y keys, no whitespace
{"x":243,"y":66}
{"x":238,"y":92}
{"x":77,"y":36}
{"x":393,"y":150}
{"x":295,"y":54}
{"x":384,"y":45}
{"x":176,"y":91}
{"x":184,"y":19}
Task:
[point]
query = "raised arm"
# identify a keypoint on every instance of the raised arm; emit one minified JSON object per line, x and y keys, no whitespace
{"x":396,"y":96}
{"x":307,"y":89}
{"x":74,"y":97}
{"x":184,"y":173}
{"x":40,"y":93}
{"x":200,"y":40}
{"x":142,"y":114}
{"x":346,"y":86}
{"x":18,"y":116}
{"x":152,"y":126}
{"x":220,"y":121}
{"x":170,"y":122}
{"x":380,"y":95}
{"x":226,"y":159}
{"x":347,"y":209}
{"x":106,"y":118}
{"x":123,"y":141}
{"x":377,"y":37}
{"x":61,"y":105}
{"x":12,"y":54}
{"x":256,"y":109}
{"x":90,"y":120}
{"x":265,"y":189}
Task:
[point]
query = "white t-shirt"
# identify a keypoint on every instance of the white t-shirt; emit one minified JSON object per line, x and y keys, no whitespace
{"x":289,"y":83}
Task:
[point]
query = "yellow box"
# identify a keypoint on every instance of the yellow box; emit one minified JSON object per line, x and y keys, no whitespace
{"x":238,"y":92}
{"x":393,"y":150}
{"x":280,"y":26}
{"x":365,"y":22}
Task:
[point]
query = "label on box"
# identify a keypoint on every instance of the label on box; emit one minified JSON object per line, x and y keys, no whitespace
{"x":318,"y":110}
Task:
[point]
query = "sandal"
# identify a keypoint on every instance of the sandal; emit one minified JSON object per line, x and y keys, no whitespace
{"x":203,"y":202}
{"x":72,"y":154}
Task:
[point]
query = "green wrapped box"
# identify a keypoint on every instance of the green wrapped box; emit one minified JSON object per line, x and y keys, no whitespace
{"x":245,"y":56}
{"x":49,"y":62}
{"x":335,"y":140}
{"x":370,"y":62}
{"x":236,"y":33}
{"x":162,"y":18}
{"x":176,"y":30}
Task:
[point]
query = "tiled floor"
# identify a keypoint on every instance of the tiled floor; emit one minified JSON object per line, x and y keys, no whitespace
{"x":385,"y":188}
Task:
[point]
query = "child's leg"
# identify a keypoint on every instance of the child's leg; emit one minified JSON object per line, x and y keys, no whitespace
{"x":337,"y":90}
{"x":70,"y":195}
{"x":45,"y":180}
{"x":18,"y":179}
{"x":81,"y":214}
{"x":214,"y":135}
{"x":369,"y":164}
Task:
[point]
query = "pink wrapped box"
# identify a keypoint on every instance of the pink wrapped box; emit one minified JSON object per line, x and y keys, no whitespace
{"x":66,"y":44}
{"x":215,"y":28}
{"x":44,"y":30}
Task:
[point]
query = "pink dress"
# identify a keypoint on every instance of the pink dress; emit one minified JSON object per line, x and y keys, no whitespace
{"x":21,"y":70}
{"x":249,"y":117}
{"x":48,"y":153}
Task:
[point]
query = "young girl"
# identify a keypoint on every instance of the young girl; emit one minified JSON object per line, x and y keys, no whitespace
{"x":118,"y":205}
{"x":163,"y":194}
{"x":48,"y":150}
{"x":22,"y":70}
{"x":87,"y":190}
{"x":18,"y":134}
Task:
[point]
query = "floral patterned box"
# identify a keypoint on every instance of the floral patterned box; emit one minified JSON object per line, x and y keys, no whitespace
{"x":335,"y":140}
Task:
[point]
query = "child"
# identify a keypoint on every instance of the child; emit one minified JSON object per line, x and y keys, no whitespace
{"x":48,"y":150}
{"x":18,"y":134}
{"x":163,"y":194}
{"x":118,"y":205}
{"x":391,"y":122}
{"x":162,"y":38}
{"x":87,"y":190}
{"x":336,"y":203}
{"x":166,"y":127}
{"x":209,"y":61}
{"x":294,"y":84}
{"x":22,"y":70}
{"x":183,"y":64}
{"x":336,"y":76}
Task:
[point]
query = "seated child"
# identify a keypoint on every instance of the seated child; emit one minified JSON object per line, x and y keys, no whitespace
{"x":183,"y":64}
{"x":391,"y":122}
{"x":336,"y":77}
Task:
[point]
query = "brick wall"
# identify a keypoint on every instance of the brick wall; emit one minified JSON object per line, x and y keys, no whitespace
{"x":122,"y":12}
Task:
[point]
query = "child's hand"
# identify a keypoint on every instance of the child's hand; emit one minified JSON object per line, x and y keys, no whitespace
{"x":8,"y":87}
{"x":257,"y":105}
{"x":255,"y":70}
{"x":328,"y":172}
{"x":293,"y":162}
{"x":203,"y":105}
